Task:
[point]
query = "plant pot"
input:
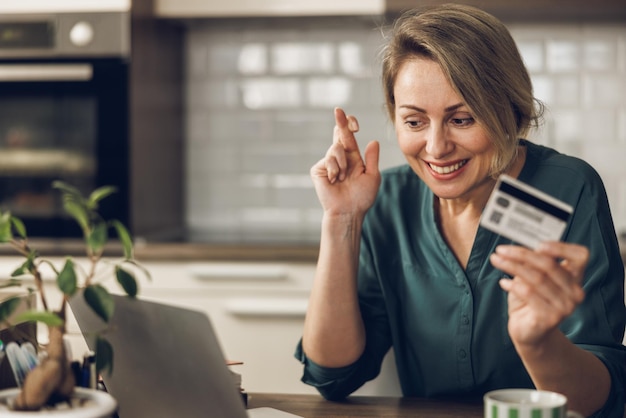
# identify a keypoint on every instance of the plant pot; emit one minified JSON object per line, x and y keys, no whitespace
{"x":93,"y":404}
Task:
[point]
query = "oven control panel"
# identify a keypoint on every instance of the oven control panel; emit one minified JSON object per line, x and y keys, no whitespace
{"x":59,"y":35}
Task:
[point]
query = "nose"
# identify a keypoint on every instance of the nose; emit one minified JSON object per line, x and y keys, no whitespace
{"x":437,"y":143}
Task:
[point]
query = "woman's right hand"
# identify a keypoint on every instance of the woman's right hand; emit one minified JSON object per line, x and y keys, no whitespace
{"x":345,"y":182}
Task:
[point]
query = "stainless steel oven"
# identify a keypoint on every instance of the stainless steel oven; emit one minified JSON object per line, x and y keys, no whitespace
{"x":63,"y":113}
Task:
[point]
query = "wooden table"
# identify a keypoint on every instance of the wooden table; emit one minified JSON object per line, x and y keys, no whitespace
{"x":314,"y":406}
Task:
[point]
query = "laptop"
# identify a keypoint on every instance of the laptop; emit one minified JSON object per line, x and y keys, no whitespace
{"x":167,"y":362}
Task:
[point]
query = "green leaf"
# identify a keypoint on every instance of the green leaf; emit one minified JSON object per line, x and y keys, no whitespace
{"x":6,"y":234}
{"x":48,"y":318}
{"x":97,"y":237}
{"x":99,"y":194}
{"x":18,"y":226}
{"x":145,"y":271}
{"x":27,"y":266}
{"x":124,"y":237}
{"x":8,"y":306}
{"x":66,"y":280}
{"x":99,"y":299}
{"x":77,"y":212}
{"x":104,"y":356}
{"x":67,"y":190}
{"x":127,"y":281}
{"x":20,"y":271}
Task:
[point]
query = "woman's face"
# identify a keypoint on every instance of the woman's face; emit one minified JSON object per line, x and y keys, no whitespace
{"x":446,"y":147}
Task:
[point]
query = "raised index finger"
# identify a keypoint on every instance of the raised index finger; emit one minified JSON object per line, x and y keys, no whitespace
{"x":344,"y":131}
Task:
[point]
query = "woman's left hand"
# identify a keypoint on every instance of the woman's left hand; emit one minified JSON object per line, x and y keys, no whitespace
{"x":545,"y":288}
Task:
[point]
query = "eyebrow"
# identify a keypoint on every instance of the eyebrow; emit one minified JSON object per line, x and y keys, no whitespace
{"x":447,"y":109}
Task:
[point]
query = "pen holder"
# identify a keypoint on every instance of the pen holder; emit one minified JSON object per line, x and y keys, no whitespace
{"x":85,"y":403}
{"x":24,"y":332}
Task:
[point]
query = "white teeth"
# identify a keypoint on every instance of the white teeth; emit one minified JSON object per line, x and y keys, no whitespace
{"x":447,"y":169}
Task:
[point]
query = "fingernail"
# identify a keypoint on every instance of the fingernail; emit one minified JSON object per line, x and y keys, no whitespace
{"x":502,"y":249}
{"x":543,"y":246}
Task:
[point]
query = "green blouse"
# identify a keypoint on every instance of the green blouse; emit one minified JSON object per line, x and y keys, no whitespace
{"x":448,"y":326}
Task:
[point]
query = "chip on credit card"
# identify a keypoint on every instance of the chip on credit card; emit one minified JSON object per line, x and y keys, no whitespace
{"x":524,"y":214}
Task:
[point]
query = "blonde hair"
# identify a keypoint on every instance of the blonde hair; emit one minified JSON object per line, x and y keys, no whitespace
{"x":480,"y":59}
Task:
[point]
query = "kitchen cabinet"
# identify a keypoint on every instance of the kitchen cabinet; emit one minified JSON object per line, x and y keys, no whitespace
{"x":252,"y":8}
{"x":156,"y":112}
{"x":59,"y":6}
{"x":532,"y":10}
{"x":257,"y":310}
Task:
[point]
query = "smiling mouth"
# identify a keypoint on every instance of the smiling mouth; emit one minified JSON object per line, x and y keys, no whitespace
{"x":448,"y":168}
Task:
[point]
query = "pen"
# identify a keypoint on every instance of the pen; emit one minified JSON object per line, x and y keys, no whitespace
{"x":89,"y":377}
{"x":18,"y":361}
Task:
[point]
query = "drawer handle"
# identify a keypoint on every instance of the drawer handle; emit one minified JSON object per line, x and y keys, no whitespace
{"x":257,"y":273}
{"x":46,"y":72}
{"x":275,"y":308}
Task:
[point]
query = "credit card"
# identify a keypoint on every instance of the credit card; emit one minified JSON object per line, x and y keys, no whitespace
{"x":524,"y":214}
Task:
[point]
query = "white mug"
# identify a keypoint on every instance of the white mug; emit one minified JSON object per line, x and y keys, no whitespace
{"x":526,"y":403}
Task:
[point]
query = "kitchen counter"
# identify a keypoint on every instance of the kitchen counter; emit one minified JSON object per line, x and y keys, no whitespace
{"x":197,"y":251}
{"x":186,"y":251}
{"x":178,"y":251}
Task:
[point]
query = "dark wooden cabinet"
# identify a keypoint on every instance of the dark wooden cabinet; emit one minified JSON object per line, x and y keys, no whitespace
{"x":533,"y":10}
{"x":156,"y":125}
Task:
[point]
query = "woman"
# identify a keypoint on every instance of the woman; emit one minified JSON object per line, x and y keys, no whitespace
{"x":404,"y":263}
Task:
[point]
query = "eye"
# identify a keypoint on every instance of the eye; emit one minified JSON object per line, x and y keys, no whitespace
{"x":415,"y":122}
{"x":462,"y":122}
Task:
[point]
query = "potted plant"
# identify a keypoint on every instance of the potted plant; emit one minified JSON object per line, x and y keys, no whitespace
{"x":52,"y":380}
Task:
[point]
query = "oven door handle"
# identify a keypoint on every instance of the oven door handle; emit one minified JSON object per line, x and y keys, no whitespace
{"x":45,"y":72}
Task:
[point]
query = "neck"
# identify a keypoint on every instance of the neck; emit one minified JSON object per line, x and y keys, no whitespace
{"x":471,"y":208}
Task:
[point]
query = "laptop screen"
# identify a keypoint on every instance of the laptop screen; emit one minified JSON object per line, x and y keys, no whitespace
{"x":167,"y":361}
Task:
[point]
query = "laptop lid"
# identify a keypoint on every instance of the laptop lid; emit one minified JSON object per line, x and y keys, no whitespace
{"x":167,"y":361}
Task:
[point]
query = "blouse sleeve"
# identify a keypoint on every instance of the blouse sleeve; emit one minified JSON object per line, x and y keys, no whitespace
{"x":598,"y":323}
